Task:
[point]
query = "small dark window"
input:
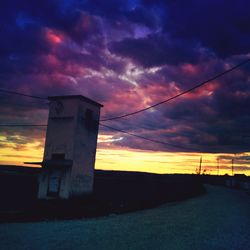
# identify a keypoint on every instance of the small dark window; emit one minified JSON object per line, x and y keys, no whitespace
{"x":89,"y":115}
{"x":90,"y":123}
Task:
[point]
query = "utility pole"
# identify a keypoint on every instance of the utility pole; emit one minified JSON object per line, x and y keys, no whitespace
{"x":200,"y":165}
{"x":232,"y":166}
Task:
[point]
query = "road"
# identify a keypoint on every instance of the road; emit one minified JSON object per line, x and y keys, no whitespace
{"x":219,"y":219}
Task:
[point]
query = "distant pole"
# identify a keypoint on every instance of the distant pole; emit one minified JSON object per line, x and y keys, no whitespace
{"x":232,"y":166}
{"x":218,"y":166}
{"x":200,"y":165}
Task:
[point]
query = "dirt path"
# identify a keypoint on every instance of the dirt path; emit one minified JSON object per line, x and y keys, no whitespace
{"x":218,"y":220}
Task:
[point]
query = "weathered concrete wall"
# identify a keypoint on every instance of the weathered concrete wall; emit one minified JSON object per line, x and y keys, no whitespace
{"x":82,"y":175}
{"x":43,"y":180}
{"x":61,"y":128}
{"x":71,"y":134}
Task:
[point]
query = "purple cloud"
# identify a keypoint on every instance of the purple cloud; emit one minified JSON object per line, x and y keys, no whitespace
{"x":129,"y":55}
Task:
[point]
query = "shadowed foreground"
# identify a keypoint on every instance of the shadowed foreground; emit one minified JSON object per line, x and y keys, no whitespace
{"x":218,"y":220}
{"x":114,"y":192}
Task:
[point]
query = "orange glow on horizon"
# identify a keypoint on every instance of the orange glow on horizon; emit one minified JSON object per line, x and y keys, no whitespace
{"x":132,"y":160}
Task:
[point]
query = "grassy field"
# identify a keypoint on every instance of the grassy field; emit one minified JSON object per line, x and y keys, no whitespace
{"x":219,"y":219}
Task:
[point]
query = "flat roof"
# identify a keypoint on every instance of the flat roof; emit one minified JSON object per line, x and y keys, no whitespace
{"x":81,"y":97}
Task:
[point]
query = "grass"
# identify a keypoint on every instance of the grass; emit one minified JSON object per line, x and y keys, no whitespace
{"x":218,"y":220}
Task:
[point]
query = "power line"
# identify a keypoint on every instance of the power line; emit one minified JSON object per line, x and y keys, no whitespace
{"x":23,"y":125}
{"x":22,"y":94}
{"x":109,"y":127}
{"x":132,"y":113}
{"x":149,"y":107}
{"x":147,"y":139}
{"x":180,"y":94}
{"x":39,"y":105}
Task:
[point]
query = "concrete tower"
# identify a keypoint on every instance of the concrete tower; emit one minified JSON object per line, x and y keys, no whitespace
{"x":70,"y":147}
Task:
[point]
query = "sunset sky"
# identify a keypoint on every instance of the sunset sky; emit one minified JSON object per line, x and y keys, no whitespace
{"x":128,"y":55}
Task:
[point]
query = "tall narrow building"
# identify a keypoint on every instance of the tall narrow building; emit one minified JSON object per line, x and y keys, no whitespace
{"x":70,"y":148}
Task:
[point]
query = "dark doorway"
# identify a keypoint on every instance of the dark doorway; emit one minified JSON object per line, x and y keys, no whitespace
{"x":55,"y":177}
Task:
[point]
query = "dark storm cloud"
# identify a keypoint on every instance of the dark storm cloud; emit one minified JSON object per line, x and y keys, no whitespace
{"x":129,"y":55}
{"x":41,"y":46}
{"x":144,"y":16}
{"x":156,"y":50}
{"x":56,"y":14}
{"x":216,"y":115}
{"x":117,"y":10}
{"x":24,"y":32}
{"x":214,"y":118}
{"x":222,"y":26}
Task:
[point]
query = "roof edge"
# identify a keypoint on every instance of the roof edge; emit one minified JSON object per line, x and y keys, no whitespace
{"x":81,"y":97}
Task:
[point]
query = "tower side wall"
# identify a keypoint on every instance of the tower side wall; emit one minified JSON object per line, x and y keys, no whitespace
{"x":71,"y":136}
{"x":85,"y":143}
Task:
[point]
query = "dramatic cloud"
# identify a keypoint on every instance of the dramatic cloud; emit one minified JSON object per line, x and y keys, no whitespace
{"x":157,"y":49}
{"x":129,"y":55}
{"x":219,"y":25}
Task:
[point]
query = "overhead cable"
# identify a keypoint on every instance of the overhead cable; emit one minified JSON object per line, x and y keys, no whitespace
{"x":23,"y":125}
{"x":180,"y":94}
{"x":22,"y":94}
{"x":147,"y":139}
{"x":109,"y":127}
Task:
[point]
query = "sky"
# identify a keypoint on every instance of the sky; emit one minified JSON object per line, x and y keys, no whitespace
{"x":128,"y":55}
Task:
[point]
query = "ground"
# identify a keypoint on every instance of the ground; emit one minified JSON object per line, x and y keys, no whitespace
{"x":219,"y":219}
